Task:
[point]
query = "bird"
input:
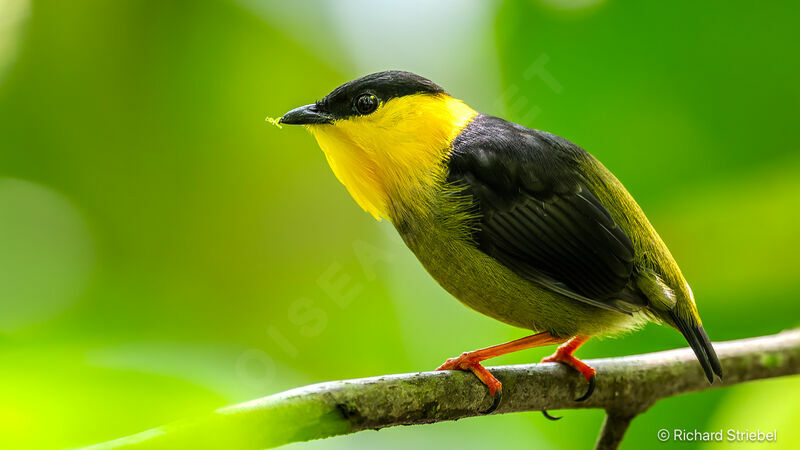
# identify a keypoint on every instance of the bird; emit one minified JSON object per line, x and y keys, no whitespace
{"x":518,"y":224}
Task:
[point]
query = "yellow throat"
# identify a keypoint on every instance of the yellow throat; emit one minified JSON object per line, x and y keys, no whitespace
{"x":401,"y":147}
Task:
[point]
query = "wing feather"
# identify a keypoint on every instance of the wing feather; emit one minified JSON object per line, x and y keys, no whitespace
{"x":538,"y":216}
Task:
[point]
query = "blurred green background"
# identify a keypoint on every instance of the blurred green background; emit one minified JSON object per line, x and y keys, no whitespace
{"x":164,"y":251}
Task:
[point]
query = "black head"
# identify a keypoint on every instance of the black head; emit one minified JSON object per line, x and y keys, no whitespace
{"x":361,"y":96}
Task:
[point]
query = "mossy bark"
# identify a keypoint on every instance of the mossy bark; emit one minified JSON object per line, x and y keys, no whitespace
{"x":625,"y":387}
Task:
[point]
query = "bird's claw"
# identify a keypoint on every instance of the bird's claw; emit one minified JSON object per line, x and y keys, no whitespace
{"x":565,"y":357}
{"x":549,"y":417}
{"x":589,"y":391}
{"x":468,"y":361}
{"x":498,"y":396}
{"x":582,"y":398}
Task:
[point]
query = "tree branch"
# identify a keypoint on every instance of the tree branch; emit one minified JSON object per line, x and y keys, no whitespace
{"x":625,"y":387}
{"x":614,"y":427}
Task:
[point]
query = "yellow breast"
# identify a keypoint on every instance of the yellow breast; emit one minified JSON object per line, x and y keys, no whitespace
{"x":400,"y":148}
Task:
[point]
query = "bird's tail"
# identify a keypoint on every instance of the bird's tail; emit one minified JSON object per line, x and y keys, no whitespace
{"x":701,"y":345}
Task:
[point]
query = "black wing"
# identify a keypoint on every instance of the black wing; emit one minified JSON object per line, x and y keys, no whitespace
{"x":537,"y":215}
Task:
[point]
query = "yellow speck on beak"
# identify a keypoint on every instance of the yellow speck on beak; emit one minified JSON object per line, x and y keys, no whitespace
{"x":274,"y":121}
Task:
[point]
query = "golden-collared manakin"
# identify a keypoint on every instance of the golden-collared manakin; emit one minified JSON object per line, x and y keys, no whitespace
{"x":516,"y":223}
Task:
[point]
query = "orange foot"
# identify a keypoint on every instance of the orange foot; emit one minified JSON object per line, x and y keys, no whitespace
{"x":564,"y":354}
{"x":472,"y":361}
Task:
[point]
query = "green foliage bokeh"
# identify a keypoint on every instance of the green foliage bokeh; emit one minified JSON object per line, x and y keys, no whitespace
{"x":164,"y":251}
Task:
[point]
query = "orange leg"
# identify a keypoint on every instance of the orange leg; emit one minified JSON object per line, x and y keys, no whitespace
{"x":564,"y":354}
{"x":472,"y":360}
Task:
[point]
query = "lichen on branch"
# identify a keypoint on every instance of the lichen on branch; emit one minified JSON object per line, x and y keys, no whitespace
{"x":626,"y":387}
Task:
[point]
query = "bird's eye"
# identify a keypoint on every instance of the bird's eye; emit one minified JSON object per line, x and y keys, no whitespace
{"x":366,"y":103}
